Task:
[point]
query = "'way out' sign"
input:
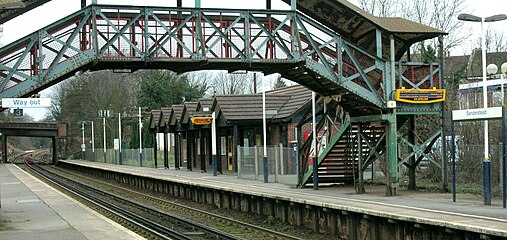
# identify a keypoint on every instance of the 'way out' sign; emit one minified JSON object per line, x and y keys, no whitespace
{"x":477,"y":114}
{"x":26,"y":102}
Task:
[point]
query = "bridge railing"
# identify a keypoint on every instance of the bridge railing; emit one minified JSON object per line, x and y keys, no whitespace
{"x":225,"y":39}
{"x":418,"y":75}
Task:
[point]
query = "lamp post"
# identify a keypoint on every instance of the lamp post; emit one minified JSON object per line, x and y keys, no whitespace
{"x":503,"y":70}
{"x":486,"y":161}
{"x":491,"y":70}
{"x":83,"y":143}
{"x":93,"y":144}
{"x":140,"y":140}
{"x":104,"y":129}
{"x":264,"y":134}
{"x":119,"y":137}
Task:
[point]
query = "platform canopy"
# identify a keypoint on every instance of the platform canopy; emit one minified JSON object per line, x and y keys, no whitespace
{"x":10,"y":9}
{"x":358,"y":26}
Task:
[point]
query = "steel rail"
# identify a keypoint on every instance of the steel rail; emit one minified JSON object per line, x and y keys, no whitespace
{"x":252,"y":226}
{"x":139,"y":221}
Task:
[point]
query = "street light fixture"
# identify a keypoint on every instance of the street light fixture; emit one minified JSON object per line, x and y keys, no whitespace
{"x":486,"y":161}
{"x":92,"y":140}
{"x":492,"y":69}
{"x":103,"y":114}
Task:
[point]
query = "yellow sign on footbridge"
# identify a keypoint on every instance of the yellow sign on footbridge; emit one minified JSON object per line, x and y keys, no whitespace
{"x":420,"y":96}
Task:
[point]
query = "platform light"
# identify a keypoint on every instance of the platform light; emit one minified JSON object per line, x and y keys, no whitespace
{"x":492,"y":69}
{"x":503,"y":68}
{"x":486,"y":160}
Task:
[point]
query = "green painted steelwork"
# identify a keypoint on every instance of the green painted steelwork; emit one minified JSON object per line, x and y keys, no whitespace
{"x":113,"y":37}
{"x":378,"y":42}
{"x":338,"y":135}
{"x":376,"y":149}
{"x":187,"y":39}
{"x":421,"y":149}
{"x":392,"y":150}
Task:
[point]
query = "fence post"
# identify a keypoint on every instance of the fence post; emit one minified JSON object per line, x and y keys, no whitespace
{"x":500,"y":156}
{"x":276,"y":163}
{"x":256,"y":163}
{"x":281,"y":160}
{"x":238,"y":155}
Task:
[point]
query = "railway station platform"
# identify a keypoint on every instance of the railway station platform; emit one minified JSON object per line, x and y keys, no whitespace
{"x":30,"y":209}
{"x":468,"y":214}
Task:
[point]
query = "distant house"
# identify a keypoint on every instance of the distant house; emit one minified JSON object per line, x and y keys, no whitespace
{"x":466,"y":71}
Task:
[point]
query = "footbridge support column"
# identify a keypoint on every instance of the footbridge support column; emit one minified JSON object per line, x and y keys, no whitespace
{"x":392,"y":154}
{"x":392,"y":131}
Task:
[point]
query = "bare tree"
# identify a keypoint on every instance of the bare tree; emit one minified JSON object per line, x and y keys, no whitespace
{"x":381,"y":8}
{"x":80,"y":98}
{"x":444,"y":18}
{"x":495,"y":41}
{"x":225,"y":83}
{"x":440,"y":14}
{"x":202,"y":78}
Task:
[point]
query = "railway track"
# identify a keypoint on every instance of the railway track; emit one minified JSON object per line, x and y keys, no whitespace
{"x":39,"y":156}
{"x":145,"y":220}
{"x":233,"y":229}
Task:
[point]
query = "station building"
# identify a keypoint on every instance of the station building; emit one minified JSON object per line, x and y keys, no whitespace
{"x":239,"y":123}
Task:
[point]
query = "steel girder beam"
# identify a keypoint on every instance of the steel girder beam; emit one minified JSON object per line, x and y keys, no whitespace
{"x":34,"y":61}
{"x":99,"y":37}
{"x":375,"y":147}
{"x":422,"y":150}
{"x":392,"y":154}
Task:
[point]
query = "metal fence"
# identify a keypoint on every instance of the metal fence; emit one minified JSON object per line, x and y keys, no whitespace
{"x":469,"y":160}
{"x":282,"y":164}
{"x":130,"y":157}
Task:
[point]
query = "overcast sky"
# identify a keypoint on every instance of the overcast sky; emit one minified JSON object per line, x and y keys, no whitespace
{"x":57,"y":9}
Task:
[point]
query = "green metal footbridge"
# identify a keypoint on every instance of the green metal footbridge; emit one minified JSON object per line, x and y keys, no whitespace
{"x":353,"y":59}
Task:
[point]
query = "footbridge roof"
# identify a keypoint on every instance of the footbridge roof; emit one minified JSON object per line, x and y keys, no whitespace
{"x":358,"y":26}
{"x":10,"y":9}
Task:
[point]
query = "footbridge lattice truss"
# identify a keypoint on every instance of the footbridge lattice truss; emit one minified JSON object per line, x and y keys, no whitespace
{"x":362,"y":74}
{"x":126,"y":37}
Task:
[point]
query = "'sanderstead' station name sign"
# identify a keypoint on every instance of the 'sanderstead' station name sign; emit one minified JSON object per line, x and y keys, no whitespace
{"x":477,"y":114}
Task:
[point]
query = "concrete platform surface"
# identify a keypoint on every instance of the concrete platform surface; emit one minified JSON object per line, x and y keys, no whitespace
{"x":468,"y":213}
{"x":30,"y":209}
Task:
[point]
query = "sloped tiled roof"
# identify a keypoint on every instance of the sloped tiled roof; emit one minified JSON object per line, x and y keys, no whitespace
{"x":358,"y":26}
{"x":285,"y":101}
{"x":188,"y":111}
{"x":299,"y":96}
{"x":166,"y":116}
{"x":473,"y":70}
{"x":497,"y":58}
{"x":248,"y":107}
{"x":12,"y":9}
{"x":155,"y":118}
{"x":176,"y":116}
{"x":204,"y":103}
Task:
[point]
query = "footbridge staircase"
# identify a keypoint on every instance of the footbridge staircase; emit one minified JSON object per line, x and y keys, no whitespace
{"x":331,"y":47}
